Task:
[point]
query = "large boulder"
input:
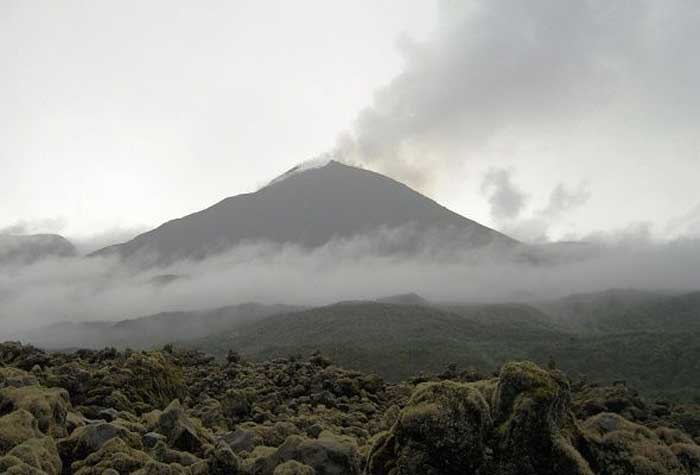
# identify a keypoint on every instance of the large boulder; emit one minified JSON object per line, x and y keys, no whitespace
{"x":535,"y":432}
{"x":48,"y":405}
{"x":442,"y":431}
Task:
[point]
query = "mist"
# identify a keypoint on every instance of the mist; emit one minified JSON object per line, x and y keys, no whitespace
{"x":87,"y":289}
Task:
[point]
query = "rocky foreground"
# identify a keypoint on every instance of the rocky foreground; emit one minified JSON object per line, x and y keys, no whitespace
{"x":174,"y":412}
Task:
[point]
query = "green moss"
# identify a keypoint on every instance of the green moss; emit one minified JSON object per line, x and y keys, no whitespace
{"x":39,"y":453}
{"x":15,"y":428}
{"x":48,"y":405}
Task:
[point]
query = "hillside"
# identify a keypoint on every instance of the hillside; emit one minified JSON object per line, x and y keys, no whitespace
{"x":397,"y":341}
{"x":309,"y":209}
{"x":394,"y":340}
{"x":600,"y":312}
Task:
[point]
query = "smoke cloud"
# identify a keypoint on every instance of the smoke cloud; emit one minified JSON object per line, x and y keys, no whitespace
{"x":618,"y":76}
{"x":508,"y":205}
{"x":505,"y":198}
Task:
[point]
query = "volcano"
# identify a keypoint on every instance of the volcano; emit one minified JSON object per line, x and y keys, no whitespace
{"x":310,"y":207}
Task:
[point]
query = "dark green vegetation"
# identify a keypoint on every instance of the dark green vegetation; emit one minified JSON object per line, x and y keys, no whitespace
{"x":650,"y":340}
{"x":396,"y":341}
{"x":181,"y":412}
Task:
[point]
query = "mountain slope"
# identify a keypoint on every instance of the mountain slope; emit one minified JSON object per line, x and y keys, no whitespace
{"x":308,"y":208}
{"x":398,"y":340}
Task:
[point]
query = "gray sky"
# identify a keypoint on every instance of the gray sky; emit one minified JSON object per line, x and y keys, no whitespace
{"x":585,"y":115}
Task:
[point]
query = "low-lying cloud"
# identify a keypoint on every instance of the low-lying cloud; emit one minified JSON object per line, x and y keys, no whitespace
{"x":82,"y":289}
{"x":41,"y":226}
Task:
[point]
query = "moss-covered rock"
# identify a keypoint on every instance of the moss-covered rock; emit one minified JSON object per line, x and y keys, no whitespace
{"x":16,"y":377}
{"x":48,"y":405}
{"x":237,"y":405}
{"x":519,"y":424}
{"x":15,"y":354}
{"x":38,"y":453}
{"x":90,"y":438}
{"x":15,"y":428}
{"x":535,"y":432}
{"x":443,"y":430}
{"x":11,"y":465}
{"x":288,"y":416}
{"x":619,"y":398}
{"x":617,"y":446}
{"x":222,"y":461}
{"x":183,"y":433}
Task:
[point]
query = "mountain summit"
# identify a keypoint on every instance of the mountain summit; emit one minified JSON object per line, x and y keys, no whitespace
{"x":308,"y":207}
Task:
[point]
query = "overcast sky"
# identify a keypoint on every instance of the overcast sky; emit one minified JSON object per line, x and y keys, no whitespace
{"x":548,"y":120}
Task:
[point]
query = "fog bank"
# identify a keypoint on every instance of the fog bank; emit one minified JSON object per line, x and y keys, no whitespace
{"x":81,"y":289}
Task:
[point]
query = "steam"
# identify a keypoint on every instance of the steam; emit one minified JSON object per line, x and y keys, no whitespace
{"x":509,"y":205}
{"x":505,"y":198}
{"x":568,"y":74}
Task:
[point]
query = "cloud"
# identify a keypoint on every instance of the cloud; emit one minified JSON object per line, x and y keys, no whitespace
{"x":81,"y":289}
{"x":92,"y":242}
{"x":41,"y":226}
{"x":620,"y":73}
{"x":507,"y":201}
{"x":564,"y":199}
{"x":508,"y":205}
{"x":687,"y":224}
